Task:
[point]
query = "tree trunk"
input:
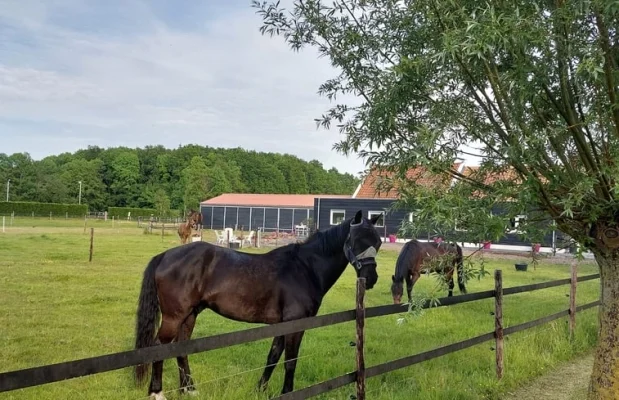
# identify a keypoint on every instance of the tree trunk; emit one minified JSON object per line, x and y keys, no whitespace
{"x":604,"y":384}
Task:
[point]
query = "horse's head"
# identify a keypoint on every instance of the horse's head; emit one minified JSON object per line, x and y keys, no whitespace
{"x":361,"y":247}
{"x":397,"y":289}
{"x":193,"y":218}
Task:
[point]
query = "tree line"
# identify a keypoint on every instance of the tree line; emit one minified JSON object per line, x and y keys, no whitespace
{"x":161,"y":178}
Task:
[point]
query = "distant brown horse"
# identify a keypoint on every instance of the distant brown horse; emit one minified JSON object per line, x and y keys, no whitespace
{"x":185,"y":229}
{"x":411,"y":260}
{"x":196,"y":217}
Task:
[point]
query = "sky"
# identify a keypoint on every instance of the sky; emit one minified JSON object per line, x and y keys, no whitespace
{"x":135,"y":73}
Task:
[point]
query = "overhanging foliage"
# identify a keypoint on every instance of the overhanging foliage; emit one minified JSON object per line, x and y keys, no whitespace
{"x":529,"y":87}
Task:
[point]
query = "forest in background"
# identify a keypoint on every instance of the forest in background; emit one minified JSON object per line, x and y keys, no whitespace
{"x":161,"y":178}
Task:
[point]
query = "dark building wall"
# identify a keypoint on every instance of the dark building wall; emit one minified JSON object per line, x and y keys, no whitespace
{"x":214,"y":217}
{"x":257,"y":217}
{"x":394,"y":218}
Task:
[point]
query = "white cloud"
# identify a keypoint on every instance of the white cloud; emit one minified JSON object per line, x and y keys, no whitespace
{"x":224,"y":85}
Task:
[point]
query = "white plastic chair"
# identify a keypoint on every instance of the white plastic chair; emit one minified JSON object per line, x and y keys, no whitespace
{"x":248,"y":239}
{"x":229,"y":234}
{"x":221,"y":237}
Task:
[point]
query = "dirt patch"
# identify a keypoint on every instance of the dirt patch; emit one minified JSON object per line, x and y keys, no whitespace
{"x":567,"y":382}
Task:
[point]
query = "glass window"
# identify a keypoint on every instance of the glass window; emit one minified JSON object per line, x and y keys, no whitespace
{"x":337,"y":216}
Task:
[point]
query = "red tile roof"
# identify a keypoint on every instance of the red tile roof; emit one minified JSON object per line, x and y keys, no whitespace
{"x":508,"y":174}
{"x":370,"y":187}
{"x":268,"y":200}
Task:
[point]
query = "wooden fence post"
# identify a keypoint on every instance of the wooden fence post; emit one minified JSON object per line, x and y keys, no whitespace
{"x":84,"y":224}
{"x":92,"y":234}
{"x":360,"y":338}
{"x":498,"y":321}
{"x":573,"y":283}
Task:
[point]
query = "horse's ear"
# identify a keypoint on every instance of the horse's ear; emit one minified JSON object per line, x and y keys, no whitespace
{"x":358,"y":217}
{"x":375,"y":218}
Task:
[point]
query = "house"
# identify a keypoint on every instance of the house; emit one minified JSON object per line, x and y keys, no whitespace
{"x":374,"y":195}
{"x":377,"y":192}
{"x":269,"y":212}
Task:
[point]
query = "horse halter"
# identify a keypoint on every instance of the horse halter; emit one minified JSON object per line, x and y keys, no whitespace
{"x":364,"y":258}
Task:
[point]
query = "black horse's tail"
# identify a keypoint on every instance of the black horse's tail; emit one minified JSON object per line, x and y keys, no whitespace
{"x":460,"y":268}
{"x":147,"y":315}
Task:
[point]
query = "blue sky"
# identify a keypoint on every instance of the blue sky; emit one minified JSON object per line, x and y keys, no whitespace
{"x":133,"y":73}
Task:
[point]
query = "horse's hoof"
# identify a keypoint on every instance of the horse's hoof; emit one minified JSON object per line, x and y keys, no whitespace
{"x":189,"y":391}
{"x":157,"y":396}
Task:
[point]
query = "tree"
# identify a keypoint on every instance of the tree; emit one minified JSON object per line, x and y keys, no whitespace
{"x":120,"y":176}
{"x":89,"y":173}
{"x":50,"y":187}
{"x":530,"y":88}
{"x":162,"y":203}
{"x":195,"y":182}
{"x":125,"y":168}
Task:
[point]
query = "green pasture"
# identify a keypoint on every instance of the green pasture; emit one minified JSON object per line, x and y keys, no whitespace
{"x":56,"y":306}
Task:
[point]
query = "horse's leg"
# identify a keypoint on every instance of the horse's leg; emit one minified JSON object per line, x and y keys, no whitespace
{"x":293,"y":342}
{"x":409,"y":286}
{"x":186,"y":330}
{"x":167,"y":332}
{"x":450,"y":277}
{"x":413,"y":279}
{"x":277,"y":348}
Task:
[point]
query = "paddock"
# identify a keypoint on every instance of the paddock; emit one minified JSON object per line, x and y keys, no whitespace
{"x":96,"y":315}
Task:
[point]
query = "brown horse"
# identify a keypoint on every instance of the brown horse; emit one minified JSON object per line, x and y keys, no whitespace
{"x":185,"y":229}
{"x":284,"y":284}
{"x":196,"y":217}
{"x":411,"y":260}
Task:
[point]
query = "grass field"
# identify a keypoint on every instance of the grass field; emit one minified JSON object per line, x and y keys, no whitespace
{"x":56,"y":306}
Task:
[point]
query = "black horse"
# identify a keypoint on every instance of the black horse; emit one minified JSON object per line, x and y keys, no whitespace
{"x":287,"y":283}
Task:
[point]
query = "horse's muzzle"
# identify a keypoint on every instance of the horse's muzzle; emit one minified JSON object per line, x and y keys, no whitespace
{"x":370,"y":281}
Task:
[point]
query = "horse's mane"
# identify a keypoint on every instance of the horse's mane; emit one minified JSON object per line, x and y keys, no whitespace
{"x":401,"y":265}
{"x":328,"y":241}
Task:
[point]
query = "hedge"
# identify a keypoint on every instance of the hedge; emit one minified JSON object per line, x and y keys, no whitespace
{"x":121,"y":212}
{"x":42,"y":209}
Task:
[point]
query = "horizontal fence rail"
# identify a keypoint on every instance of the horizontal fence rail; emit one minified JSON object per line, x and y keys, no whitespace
{"x":343,"y":380}
{"x":88,"y":366}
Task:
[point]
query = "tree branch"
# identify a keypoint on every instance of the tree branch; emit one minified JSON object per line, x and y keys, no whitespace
{"x":610,"y":69}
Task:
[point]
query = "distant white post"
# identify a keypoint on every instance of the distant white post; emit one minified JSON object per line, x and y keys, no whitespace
{"x":250,"y":208}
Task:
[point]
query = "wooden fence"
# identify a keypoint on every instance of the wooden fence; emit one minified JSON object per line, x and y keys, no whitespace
{"x":72,"y":369}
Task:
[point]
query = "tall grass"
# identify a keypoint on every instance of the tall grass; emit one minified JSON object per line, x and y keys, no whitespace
{"x":56,"y":306}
